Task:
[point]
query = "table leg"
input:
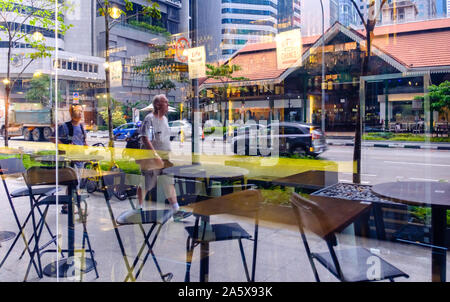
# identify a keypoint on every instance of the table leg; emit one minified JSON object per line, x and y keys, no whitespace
{"x":204,"y":254}
{"x":438,"y":253}
{"x":66,"y":267}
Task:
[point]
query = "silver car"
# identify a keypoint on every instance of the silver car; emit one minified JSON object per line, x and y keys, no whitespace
{"x":181,"y":126}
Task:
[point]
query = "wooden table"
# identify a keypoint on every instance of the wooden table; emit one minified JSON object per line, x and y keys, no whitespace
{"x":310,"y":180}
{"x":249,"y":203}
{"x":432,"y":194}
{"x":208,"y":173}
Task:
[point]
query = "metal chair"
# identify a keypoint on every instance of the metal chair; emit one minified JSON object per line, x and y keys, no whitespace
{"x":39,"y":176}
{"x":155,"y":218}
{"x":326,"y":216}
{"x":245,"y":202}
{"x":14,"y":166}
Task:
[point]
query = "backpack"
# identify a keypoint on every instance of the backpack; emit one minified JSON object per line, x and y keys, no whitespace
{"x":69,"y":138}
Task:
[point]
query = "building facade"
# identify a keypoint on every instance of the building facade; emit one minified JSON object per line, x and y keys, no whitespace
{"x":289,"y":15}
{"x":130,"y":42}
{"x":312,"y":16}
{"x":399,"y":12}
{"x":245,"y":21}
{"x":80,"y":72}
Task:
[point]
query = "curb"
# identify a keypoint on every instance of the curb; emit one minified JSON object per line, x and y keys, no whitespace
{"x":428,"y":147}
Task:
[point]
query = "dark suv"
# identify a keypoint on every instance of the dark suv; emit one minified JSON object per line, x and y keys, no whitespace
{"x":292,"y":138}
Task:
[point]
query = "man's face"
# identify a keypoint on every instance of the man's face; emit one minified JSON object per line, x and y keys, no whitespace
{"x":163,"y":106}
{"x":77,"y":113}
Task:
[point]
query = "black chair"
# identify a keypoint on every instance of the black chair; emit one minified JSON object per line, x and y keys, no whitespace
{"x":155,"y":218}
{"x":43,"y":176}
{"x":246,"y":203}
{"x":14,"y":166}
{"x":326,"y":216}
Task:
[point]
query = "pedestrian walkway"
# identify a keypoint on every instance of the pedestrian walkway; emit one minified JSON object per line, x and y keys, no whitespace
{"x":390,"y":144}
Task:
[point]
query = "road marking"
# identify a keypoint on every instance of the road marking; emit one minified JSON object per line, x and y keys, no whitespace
{"x":368,"y":175}
{"x":421,"y":164}
{"x":423,"y":179}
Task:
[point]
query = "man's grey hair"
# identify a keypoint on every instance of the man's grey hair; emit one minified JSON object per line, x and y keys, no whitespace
{"x":156,"y":99}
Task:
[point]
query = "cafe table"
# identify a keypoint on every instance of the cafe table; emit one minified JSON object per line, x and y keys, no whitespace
{"x":428,"y":194}
{"x":67,"y":160}
{"x":208,"y":173}
{"x":310,"y":180}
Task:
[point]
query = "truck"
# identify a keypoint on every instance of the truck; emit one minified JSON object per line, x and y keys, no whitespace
{"x":32,"y":121}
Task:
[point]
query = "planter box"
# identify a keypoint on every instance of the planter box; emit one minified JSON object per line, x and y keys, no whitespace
{"x":386,"y":217}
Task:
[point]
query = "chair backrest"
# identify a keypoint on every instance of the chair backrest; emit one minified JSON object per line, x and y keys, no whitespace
{"x":110,"y":181}
{"x":311,"y":216}
{"x":11,"y":166}
{"x":36,"y":176}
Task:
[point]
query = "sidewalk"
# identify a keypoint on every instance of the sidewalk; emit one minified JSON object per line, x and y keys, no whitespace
{"x":390,"y":144}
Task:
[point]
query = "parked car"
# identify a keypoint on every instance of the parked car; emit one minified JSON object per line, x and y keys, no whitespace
{"x":177,"y":126}
{"x":125,"y":130}
{"x":212,"y":123}
{"x":293,"y":138}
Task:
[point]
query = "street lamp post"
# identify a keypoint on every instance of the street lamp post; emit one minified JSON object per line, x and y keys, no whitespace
{"x":323,"y":70}
{"x":195,"y":101}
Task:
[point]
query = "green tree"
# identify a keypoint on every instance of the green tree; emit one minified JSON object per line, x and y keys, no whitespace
{"x":39,"y":91}
{"x":113,"y":15}
{"x":16,"y":16}
{"x":439,"y":98}
{"x":161,"y":69}
{"x":224,"y":74}
{"x":369,"y":24}
{"x":117,"y":117}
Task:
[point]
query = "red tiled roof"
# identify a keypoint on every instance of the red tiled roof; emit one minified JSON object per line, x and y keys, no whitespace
{"x":412,"y":27}
{"x":422,"y":49}
{"x":418,"y":44}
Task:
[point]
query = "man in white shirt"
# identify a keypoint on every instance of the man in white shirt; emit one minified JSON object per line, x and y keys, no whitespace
{"x":155,"y":135}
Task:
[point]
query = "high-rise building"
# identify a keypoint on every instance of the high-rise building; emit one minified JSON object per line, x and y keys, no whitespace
{"x":399,"y":11}
{"x":347,"y":13}
{"x":247,"y":21}
{"x":130,"y":42}
{"x":311,"y":16}
{"x":426,"y":9}
{"x":448,"y":8}
{"x":441,"y":8}
{"x":79,"y":70}
{"x":289,"y":14}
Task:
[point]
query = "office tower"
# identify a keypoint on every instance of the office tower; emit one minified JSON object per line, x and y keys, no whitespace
{"x":399,"y":11}
{"x":289,"y":14}
{"x":347,"y":13}
{"x":130,"y":42}
{"x":311,"y":16}
{"x":247,"y":21}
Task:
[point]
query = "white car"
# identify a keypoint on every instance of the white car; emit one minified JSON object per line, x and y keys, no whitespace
{"x":176,"y":127}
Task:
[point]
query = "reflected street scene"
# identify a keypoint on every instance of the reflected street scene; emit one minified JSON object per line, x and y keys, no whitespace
{"x":224,"y":140}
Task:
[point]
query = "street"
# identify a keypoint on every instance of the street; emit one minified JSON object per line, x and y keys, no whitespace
{"x":378,"y":164}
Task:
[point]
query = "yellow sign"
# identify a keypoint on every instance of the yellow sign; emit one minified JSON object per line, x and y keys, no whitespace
{"x":289,"y":49}
{"x":197,"y":62}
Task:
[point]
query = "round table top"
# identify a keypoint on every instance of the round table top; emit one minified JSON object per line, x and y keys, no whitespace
{"x":206,"y":171}
{"x":69,"y":158}
{"x":10,"y":151}
{"x":415,"y":192}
